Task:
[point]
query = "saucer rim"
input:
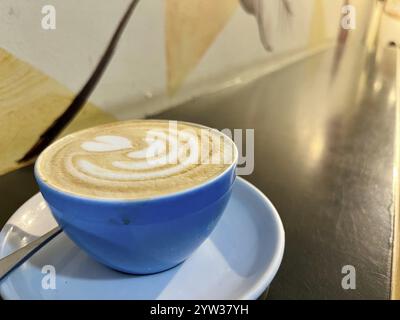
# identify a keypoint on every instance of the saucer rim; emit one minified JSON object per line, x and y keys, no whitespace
{"x":252,"y":293}
{"x":271,"y":271}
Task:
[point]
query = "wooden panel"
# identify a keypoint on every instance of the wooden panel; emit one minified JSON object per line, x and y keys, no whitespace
{"x":396,"y":199}
{"x":191,"y":28}
{"x":29,"y":103}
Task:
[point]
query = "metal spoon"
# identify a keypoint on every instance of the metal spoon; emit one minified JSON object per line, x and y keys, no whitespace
{"x":15,"y":259}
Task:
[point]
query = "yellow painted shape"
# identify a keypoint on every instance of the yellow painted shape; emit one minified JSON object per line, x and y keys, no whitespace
{"x":191,"y":28}
{"x":317,"y":26}
{"x":29,"y":102}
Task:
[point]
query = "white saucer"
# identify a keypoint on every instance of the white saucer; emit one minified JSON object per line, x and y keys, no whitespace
{"x":238,"y":261}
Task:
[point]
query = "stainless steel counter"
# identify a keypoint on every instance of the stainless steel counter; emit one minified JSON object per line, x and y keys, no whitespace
{"x":324,"y":154}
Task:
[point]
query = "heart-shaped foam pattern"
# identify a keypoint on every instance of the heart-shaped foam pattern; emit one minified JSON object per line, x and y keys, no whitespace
{"x":106,"y":143}
{"x":136,"y":159}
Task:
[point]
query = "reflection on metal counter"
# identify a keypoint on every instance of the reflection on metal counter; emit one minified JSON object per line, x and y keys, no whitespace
{"x":324,"y":154}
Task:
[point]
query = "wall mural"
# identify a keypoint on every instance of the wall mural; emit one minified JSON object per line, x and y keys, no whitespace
{"x":190,"y":29}
{"x":31,"y":100}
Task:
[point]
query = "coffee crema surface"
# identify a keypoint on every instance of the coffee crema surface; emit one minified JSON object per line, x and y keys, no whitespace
{"x":136,"y":159}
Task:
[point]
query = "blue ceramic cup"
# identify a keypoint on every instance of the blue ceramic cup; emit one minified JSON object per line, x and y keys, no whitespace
{"x":141,"y":236}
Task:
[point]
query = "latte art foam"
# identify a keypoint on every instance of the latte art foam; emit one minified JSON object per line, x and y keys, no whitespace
{"x":136,"y":159}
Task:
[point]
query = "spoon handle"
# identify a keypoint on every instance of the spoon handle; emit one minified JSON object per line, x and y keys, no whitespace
{"x":13,"y":260}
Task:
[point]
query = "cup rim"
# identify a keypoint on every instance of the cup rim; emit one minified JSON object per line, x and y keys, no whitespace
{"x":128,"y":200}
